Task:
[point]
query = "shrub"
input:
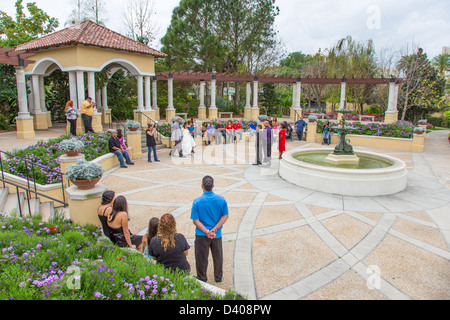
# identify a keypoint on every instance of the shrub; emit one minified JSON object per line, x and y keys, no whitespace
{"x":71,"y":145}
{"x":84,"y":170}
{"x":132,"y":124}
{"x":399,"y":129}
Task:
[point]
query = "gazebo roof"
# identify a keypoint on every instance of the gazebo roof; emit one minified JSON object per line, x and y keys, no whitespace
{"x":89,"y":33}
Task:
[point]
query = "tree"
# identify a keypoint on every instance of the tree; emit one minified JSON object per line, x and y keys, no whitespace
{"x":424,"y":87}
{"x":270,"y":99}
{"x":140,"y":22}
{"x":317,"y":68}
{"x":293,"y":64}
{"x":96,"y":11}
{"x":25,"y":28}
{"x":442,"y":62}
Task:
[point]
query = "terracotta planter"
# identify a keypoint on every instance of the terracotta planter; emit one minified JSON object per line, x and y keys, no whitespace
{"x":85,"y":184}
{"x":418,"y":132}
{"x":133,"y":129}
{"x":72,"y":153}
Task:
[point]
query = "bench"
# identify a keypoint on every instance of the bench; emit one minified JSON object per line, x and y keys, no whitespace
{"x":364,"y":116}
{"x":183,"y":114}
{"x":228,"y":113}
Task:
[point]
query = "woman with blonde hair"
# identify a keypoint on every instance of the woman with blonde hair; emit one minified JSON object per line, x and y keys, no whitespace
{"x":169,"y":247}
{"x":71,"y":116}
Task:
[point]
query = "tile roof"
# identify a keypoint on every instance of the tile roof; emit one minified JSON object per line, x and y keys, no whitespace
{"x":89,"y":33}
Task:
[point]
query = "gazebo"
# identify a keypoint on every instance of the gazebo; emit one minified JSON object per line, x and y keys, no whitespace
{"x":83,"y":48}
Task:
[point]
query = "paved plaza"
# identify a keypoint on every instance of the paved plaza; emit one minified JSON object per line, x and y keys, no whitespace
{"x":286,"y":242}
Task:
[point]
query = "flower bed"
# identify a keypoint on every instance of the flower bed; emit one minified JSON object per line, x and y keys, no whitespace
{"x":399,"y":129}
{"x":57,"y":260}
{"x":45,"y":155}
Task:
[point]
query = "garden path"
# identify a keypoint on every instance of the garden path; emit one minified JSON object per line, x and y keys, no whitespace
{"x":285,"y":242}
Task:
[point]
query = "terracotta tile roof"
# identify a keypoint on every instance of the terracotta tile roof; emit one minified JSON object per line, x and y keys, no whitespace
{"x":89,"y":33}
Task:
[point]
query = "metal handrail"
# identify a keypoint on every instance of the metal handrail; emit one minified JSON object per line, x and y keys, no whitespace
{"x":30,"y":191}
{"x":27,"y":172}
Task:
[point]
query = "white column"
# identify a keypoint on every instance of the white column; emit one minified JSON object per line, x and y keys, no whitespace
{"x":202,"y":94}
{"x":91,"y":85}
{"x":22,"y":93}
{"x":140,"y":93}
{"x":298,"y":92}
{"x":80,"y":88}
{"x":343,"y":86}
{"x":248,"y":97}
{"x":397,"y":87}
{"x":73,"y":89}
{"x":294,"y":95}
{"x":213,"y":92}
{"x":30,"y":96}
{"x":36,"y":94}
{"x":105,"y":98}
{"x":154,"y":93}
{"x":148,"y":105}
{"x":42,"y":93}
{"x":98,"y":98}
{"x":391,"y":96}
{"x":255,"y":93}
{"x":170,"y":92}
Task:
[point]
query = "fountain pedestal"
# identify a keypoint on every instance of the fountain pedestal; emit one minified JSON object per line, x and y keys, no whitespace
{"x":342,"y":159}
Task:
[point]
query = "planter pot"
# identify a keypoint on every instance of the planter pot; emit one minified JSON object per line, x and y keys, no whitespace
{"x":85,"y":184}
{"x":418,"y":132}
{"x":72,"y":153}
{"x":133,"y":129}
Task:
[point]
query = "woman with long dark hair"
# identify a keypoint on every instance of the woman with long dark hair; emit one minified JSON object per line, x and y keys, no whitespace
{"x":118,"y":224}
{"x":151,"y":232}
{"x":105,"y":209}
{"x":169,"y":247}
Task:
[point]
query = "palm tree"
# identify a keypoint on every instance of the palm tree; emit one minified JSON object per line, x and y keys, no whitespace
{"x":442,"y":62}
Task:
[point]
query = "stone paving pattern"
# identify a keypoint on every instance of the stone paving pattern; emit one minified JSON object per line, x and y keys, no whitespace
{"x":285,"y":242}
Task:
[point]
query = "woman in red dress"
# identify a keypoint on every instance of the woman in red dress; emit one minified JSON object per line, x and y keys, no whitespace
{"x":282,"y":139}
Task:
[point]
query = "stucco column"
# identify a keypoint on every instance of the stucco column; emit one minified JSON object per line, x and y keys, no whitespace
{"x":248,"y":106}
{"x":98,"y":99}
{"x":255,"y":109}
{"x":36,"y":94}
{"x":105,"y":98}
{"x":24,"y":121}
{"x":298,"y":93}
{"x":296,"y":110}
{"x":73,"y":89}
{"x":140,"y":93}
{"x":213,"y":112}
{"x":343,"y":88}
{"x":155,"y":97}
{"x":391,"y":114}
{"x":80,"y":87}
{"x":170,"y":92}
{"x":148,"y":106}
{"x":202,"y":107}
{"x":91,"y":85}
{"x":22,"y":93}
{"x":42,"y":94}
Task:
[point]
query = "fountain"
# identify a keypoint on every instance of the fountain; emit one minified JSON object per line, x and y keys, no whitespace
{"x":343,"y":171}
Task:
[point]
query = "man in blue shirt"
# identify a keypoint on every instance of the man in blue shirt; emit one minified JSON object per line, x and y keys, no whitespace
{"x":252,"y":128}
{"x":209,"y":213}
{"x":300,"y":126}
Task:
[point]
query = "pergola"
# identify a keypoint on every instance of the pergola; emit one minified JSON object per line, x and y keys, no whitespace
{"x":251,"y":111}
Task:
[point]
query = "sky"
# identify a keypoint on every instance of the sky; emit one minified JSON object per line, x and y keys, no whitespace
{"x":307,"y":25}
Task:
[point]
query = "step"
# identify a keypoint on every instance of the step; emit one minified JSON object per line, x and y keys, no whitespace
{"x":12,"y":203}
{"x":47,"y":211}
{"x":3,"y":195}
{"x":34,"y":206}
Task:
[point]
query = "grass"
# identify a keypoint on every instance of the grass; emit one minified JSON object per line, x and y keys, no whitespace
{"x":57,"y":260}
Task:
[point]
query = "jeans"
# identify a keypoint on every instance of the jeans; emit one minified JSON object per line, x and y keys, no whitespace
{"x":155,"y":157}
{"x":87,"y":121}
{"x":300,"y":135}
{"x":73,"y":126}
{"x":219,"y":135}
{"x":121,"y":155}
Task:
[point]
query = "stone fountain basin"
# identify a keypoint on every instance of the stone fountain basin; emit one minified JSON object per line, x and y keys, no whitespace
{"x":343,"y":181}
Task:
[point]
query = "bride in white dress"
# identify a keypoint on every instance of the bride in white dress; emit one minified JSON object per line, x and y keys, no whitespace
{"x":188,"y":142}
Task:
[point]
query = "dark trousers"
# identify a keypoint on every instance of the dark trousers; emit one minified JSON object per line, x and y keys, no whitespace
{"x":73,"y":126}
{"x":202,"y":246}
{"x":267,"y":151}
{"x":300,"y":135}
{"x":87,"y":121}
{"x":176,"y":147}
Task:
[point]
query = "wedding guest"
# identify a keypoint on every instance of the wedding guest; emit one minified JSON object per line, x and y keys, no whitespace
{"x":71,"y":116}
{"x":229,"y":130}
{"x":114,"y":147}
{"x":282,"y":140}
{"x":275,"y":128}
{"x":118,"y":225}
{"x":220,"y":133}
{"x":151,"y":232}
{"x":169,"y":247}
{"x":267,"y":145}
{"x":326,"y":133}
{"x":237,"y":130}
{"x":259,"y":145}
{"x":209,"y":131}
{"x":187,"y":142}
{"x":209,"y":212}
{"x":122,"y":141}
{"x":301,"y":124}
{"x":105,"y":209}
{"x":252,"y":128}
{"x":151,"y":143}
{"x":177,"y":137}
{"x":87,"y":111}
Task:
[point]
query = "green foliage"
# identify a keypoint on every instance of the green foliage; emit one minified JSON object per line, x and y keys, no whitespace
{"x":71,"y":145}
{"x":132,"y":124}
{"x":25,"y":28}
{"x":84,"y":170}
{"x":270,"y":99}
